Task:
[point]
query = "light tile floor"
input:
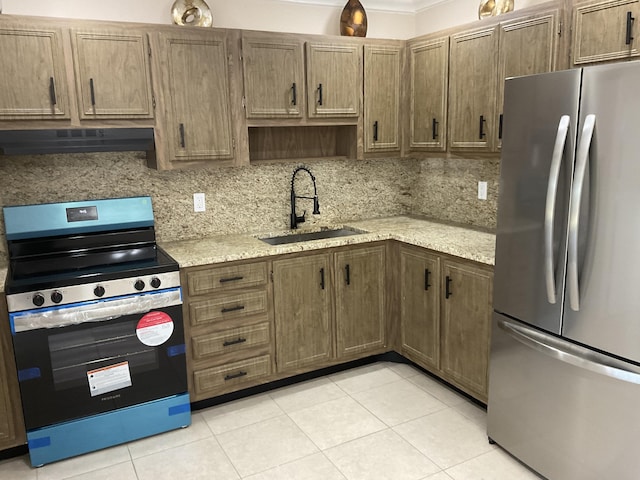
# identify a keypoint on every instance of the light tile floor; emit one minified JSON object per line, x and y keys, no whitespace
{"x":377,"y":422}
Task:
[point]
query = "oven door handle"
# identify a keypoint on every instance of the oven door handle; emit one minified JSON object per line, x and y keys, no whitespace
{"x":94,"y":311}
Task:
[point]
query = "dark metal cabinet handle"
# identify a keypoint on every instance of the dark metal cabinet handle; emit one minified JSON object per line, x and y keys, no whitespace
{"x":182,"y":144}
{"x":434,"y":129}
{"x":448,"y":292}
{"x":231,"y":279}
{"x":93,"y":92}
{"x":232,"y":309}
{"x":375,"y":131}
{"x":322,"y":278}
{"x":347,"y":271}
{"x":235,"y":375}
{"x":427,"y":273}
{"x":234,"y":342}
{"x":320,"y":94}
{"x":294,"y":94}
{"x":500,"y":127}
{"x":52,"y":91}
{"x":628,"y":36}
{"x":482,"y":122}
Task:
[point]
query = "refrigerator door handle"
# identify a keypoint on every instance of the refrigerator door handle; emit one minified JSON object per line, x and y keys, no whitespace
{"x":572,"y":354}
{"x":550,"y":206}
{"x":582,"y":158}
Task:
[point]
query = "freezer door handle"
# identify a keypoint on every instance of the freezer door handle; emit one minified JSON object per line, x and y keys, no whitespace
{"x":550,"y":206}
{"x":572,"y":354}
{"x":582,"y":159}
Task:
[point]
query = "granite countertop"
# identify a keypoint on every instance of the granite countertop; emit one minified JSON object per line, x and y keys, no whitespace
{"x":468,"y":243}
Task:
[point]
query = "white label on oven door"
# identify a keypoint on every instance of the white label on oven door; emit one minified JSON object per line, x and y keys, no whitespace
{"x":108,"y":379}
{"x":154,"y":328}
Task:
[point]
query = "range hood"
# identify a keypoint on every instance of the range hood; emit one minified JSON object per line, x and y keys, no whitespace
{"x":26,"y":142}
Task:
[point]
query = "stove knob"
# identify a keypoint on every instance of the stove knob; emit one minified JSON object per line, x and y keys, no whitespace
{"x":139,"y":285}
{"x":56,"y":297}
{"x":38,"y":299}
{"x":155,"y":282}
{"x":98,"y":291}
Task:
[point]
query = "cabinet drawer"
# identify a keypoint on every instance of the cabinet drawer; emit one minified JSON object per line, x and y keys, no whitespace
{"x":230,"y":340}
{"x":226,"y":278}
{"x":227,"y":307}
{"x":232,"y":374}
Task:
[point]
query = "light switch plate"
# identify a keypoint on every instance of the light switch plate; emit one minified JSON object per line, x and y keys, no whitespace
{"x":199,"y":202}
{"x":482,"y":190}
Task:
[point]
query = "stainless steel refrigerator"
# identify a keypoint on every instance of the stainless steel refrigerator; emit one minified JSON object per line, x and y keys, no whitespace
{"x":564,"y":381}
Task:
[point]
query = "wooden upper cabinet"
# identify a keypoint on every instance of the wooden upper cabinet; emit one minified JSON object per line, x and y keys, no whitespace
{"x":334,"y":80}
{"x":466,"y":323}
{"x":429,"y":70}
{"x":273,"y":77}
{"x":302,"y":304}
{"x":605,"y":31}
{"x":381,"y":98}
{"x":195,"y":88}
{"x":113,"y":78}
{"x":360,"y":293}
{"x":472,"y":89}
{"x":527,"y":46}
{"x":33,"y":82}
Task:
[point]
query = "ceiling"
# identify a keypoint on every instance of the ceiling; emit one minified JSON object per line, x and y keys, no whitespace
{"x":396,"y":6}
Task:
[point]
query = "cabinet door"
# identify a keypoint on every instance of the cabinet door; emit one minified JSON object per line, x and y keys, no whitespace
{"x":334,"y":85}
{"x":197,"y":96}
{"x":360,"y":325}
{"x":472,"y":89}
{"x":429,"y":63}
{"x":466,"y":320}
{"x":420,"y":306}
{"x":302,"y":302}
{"x":11,"y":422}
{"x":273,"y":78}
{"x":33,"y":84}
{"x":527,"y":46}
{"x":605,"y":31}
{"x":381,"y":98}
{"x":112,"y":74}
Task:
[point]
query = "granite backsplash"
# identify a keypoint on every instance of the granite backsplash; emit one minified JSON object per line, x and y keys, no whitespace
{"x":257,"y":198}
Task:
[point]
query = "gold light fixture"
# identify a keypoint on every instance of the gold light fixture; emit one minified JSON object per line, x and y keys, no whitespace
{"x":491,"y":8}
{"x":353,"y":21}
{"x":195,"y":13}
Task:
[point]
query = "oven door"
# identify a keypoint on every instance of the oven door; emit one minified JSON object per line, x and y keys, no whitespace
{"x":94,"y":357}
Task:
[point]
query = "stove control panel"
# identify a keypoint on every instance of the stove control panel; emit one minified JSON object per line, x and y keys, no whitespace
{"x":65,"y":295}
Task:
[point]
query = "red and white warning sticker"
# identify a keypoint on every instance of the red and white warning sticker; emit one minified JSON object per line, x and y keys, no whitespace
{"x":154,"y":328}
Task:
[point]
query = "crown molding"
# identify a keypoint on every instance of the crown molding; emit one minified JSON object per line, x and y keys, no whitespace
{"x":395,"y":6}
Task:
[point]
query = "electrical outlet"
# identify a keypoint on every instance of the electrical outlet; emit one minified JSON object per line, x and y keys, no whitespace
{"x":482,"y":190}
{"x":199,"y":202}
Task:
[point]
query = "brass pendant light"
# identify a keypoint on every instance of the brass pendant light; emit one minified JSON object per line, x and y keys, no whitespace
{"x":353,"y":21}
{"x":195,"y":13}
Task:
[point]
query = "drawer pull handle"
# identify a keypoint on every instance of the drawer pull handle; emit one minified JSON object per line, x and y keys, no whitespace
{"x":347,"y":271}
{"x":228,"y":343}
{"x":427,"y":273}
{"x":320,"y":94}
{"x":52,"y":91}
{"x":232,"y":309}
{"x":93,"y":92}
{"x":294,"y":94}
{"x":230,"y":279}
{"x":628,"y":36}
{"x":448,"y":291}
{"x":434,"y":129}
{"x":181,"y":129}
{"x":235,"y":375}
{"x":322,"y":278}
{"x":375,"y":131}
{"x":482,"y":122}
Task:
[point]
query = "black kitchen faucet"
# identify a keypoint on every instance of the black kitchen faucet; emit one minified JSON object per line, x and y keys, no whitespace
{"x":295,"y":219}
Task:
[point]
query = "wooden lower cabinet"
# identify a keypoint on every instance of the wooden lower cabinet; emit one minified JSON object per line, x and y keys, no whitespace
{"x":309,"y":324}
{"x":445,"y":317}
{"x":228,"y":328}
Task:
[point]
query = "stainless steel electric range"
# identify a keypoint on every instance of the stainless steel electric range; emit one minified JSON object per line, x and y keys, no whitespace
{"x":95,"y":308}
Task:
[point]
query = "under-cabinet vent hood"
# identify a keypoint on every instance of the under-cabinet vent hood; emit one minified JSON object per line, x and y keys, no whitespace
{"x":26,"y":142}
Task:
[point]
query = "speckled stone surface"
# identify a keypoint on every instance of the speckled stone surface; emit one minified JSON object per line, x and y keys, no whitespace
{"x":472,"y":244}
{"x":447,"y":189}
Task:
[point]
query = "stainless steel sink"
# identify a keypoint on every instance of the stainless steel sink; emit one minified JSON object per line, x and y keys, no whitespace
{"x":308,"y":236}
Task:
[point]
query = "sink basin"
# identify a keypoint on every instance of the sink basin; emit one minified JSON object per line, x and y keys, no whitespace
{"x":308,"y":236}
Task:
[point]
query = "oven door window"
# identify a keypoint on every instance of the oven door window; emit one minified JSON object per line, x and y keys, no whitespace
{"x":55,"y":367}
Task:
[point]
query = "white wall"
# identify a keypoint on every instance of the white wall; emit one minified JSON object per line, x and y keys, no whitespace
{"x":450,"y":13}
{"x":272,"y":15}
